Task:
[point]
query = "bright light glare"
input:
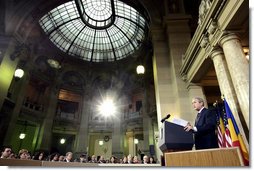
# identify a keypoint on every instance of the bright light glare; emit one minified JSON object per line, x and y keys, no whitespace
{"x":107,"y":108}
{"x":22,"y":136}
{"x":100,"y":142}
{"x":62,"y":141}
{"x":140,"y":69}
{"x":19,"y":73}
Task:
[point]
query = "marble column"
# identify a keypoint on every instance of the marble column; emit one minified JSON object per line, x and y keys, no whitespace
{"x":147,"y":122}
{"x":226,"y":86}
{"x":82,"y":136}
{"x":178,"y":38}
{"x":7,"y":69}
{"x":130,"y":141}
{"x":148,"y":134}
{"x":117,"y":137}
{"x":15,"y":113}
{"x":45,"y":133}
{"x":15,"y":56}
{"x":239,"y":70}
{"x":162,"y":78}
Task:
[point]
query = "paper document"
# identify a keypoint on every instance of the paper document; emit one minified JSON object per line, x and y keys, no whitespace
{"x":179,"y":121}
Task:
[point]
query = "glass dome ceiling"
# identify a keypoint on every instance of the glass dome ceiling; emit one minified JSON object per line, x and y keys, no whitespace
{"x":95,"y":30}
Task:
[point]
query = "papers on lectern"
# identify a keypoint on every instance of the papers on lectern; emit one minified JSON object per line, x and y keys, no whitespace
{"x":179,"y":121}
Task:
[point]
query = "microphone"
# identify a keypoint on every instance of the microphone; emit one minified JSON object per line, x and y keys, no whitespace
{"x":166,"y":117}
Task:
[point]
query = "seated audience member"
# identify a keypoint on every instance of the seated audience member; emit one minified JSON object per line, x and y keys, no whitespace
{"x":6,"y":152}
{"x":129,"y":159}
{"x":93,"y":159}
{"x":29,"y":156}
{"x":102,"y":160}
{"x":135,"y":160}
{"x":145,"y":159}
{"x":151,"y":160}
{"x":23,"y":154}
{"x":81,"y":159}
{"x":61,"y":158}
{"x":112,"y":159}
{"x":13,"y":156}
{"x":125,"y":160}
{"x":68,"y":157}
{"x":89,"y":159}
{"x":40,"y":155}
{"x":54,"y":157}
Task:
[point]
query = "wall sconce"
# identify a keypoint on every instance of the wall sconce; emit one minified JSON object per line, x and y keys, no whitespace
{"x":140,"y":69}
{"x":62,"y":141}
{"x":100,"y":142}
{"x":18,"y":74}
{"x":22,"y":136}
{"x":135,"y":141}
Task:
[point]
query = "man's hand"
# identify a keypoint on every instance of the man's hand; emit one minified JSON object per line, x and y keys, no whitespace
{"x":188,"y":127}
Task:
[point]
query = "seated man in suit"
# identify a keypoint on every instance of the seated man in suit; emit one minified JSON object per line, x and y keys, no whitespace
{"x":204,"y":127}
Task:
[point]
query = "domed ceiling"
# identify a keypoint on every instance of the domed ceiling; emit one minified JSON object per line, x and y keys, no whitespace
{"x":96,"y":30}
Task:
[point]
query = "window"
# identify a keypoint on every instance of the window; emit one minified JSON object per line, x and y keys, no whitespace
{"x":138,"y":106}
{"x":94,"y":30}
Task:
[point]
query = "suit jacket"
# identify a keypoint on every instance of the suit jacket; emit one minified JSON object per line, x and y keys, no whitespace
{"x":206,"y":124}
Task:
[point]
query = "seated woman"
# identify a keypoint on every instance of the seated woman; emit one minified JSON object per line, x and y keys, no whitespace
{"x":23,"y":154}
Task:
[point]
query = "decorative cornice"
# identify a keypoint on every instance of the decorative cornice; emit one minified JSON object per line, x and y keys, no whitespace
{"x":194,"y":46}
{"x":213,"y":26}
{"x":204,"y":41}
{"x":203,"y":9}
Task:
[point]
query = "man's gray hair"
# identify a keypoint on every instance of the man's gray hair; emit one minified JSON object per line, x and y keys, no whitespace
{"x":200,"y":100}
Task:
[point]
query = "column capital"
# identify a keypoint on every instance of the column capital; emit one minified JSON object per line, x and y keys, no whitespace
{"x":193,"y":86}
{"x":215,"y":52}
{"x":228,"y":36}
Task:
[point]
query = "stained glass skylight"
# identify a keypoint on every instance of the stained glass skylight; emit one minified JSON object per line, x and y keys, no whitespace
{"x":95,"y":30}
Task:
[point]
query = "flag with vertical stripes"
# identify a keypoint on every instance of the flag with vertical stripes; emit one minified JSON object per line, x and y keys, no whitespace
{"x":221,"y":134}
{"x":235,"y":135}
{"x":228,"y":140}
{"x":220,"y":129}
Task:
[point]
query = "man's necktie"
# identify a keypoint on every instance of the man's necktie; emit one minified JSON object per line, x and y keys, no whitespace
{"x":197,"y":118}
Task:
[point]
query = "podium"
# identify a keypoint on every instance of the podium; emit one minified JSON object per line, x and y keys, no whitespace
{"x":174,"y":138}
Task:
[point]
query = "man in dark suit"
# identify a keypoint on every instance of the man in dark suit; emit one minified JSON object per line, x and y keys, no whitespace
{"x":204,"y":127}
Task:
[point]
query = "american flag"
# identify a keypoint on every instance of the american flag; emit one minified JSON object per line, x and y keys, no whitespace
{"x":228,"y":132}
{"x":224,"y":139}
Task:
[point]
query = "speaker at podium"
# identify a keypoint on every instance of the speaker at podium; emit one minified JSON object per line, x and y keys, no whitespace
{"x":173,"y":137}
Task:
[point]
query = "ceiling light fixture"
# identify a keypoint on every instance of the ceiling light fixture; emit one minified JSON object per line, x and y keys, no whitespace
{"x":22,"y":136}
{"x":140,"y":69}
{"x":54,"y":63}
{"x":62,"y":141}
{"x":19,"y":73}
